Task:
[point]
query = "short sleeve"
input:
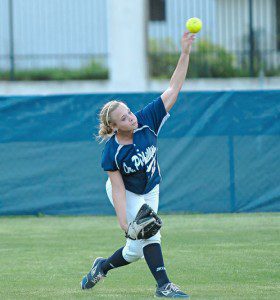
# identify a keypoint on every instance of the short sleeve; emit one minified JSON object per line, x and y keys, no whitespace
{"x":108,"y":159}
{"x":153,"y":115}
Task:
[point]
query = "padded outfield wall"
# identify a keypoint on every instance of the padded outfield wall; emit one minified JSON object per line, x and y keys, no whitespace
{"x":218,"y":152}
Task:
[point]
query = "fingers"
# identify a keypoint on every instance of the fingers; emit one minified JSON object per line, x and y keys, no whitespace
{"x":188,"y":38}
{"x":189,"y":35}
{"x":192,"y":37}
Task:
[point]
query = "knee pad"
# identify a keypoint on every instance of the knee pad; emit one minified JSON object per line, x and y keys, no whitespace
{"x":133,"y":250}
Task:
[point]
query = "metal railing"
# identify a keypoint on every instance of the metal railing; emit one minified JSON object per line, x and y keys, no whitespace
{"x":67,"y":39}
{"x":239,"y":37}
{"x":53,"y":39}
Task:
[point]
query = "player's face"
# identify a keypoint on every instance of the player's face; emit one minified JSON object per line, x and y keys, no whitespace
{"x":124,"y":119}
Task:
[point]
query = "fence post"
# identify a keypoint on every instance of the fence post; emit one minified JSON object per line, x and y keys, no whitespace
{"x":231,"y":173}
{"x":11,"y":40}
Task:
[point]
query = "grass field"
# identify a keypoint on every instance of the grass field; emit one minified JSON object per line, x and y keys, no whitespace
{"x":209,"y":256}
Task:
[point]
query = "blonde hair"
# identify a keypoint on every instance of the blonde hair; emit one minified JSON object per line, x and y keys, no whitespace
{"x":105,"y":120}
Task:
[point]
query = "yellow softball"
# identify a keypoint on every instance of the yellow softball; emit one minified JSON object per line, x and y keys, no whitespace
{"x":194,"y":25}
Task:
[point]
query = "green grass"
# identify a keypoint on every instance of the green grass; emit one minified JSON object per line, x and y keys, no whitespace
{"x":210,"y":256}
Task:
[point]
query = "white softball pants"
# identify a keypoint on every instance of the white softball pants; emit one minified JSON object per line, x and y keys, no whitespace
{"x":133,"y":250}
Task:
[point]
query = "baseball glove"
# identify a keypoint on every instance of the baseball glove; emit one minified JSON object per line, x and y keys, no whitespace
{"x":145,"y":225}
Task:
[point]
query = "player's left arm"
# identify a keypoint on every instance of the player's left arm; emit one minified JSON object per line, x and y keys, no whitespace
{"x":169,"y":96}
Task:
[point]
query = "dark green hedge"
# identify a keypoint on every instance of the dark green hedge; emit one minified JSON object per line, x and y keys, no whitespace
{"x":93,"y":71}
{"x":207,"y":60}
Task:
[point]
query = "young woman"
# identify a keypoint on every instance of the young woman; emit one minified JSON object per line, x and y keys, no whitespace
{"x":130,"y":159}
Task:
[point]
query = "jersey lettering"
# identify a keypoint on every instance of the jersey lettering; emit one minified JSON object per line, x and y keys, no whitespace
{"x":127,"y":169}
{"x":141,"y":159}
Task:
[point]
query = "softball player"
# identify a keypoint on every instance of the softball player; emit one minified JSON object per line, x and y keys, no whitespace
{"x":130,"y":159}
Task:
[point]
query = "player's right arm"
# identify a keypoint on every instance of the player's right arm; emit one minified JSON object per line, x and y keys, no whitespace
{"x":119,"y":197}
{"x":169,"y":97}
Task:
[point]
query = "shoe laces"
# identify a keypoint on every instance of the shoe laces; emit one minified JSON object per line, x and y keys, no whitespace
{"x":97,"y":278}
{"x":173,"y":287}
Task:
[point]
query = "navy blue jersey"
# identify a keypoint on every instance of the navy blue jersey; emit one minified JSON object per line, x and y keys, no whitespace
{"x":138,"y":162}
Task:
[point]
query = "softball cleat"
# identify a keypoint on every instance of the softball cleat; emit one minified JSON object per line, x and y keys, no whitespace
{"x":95,"y":274}
{"x":170,"y":290}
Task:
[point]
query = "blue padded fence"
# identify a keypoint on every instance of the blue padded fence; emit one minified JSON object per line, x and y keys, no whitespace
{"x":218,"y":152}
